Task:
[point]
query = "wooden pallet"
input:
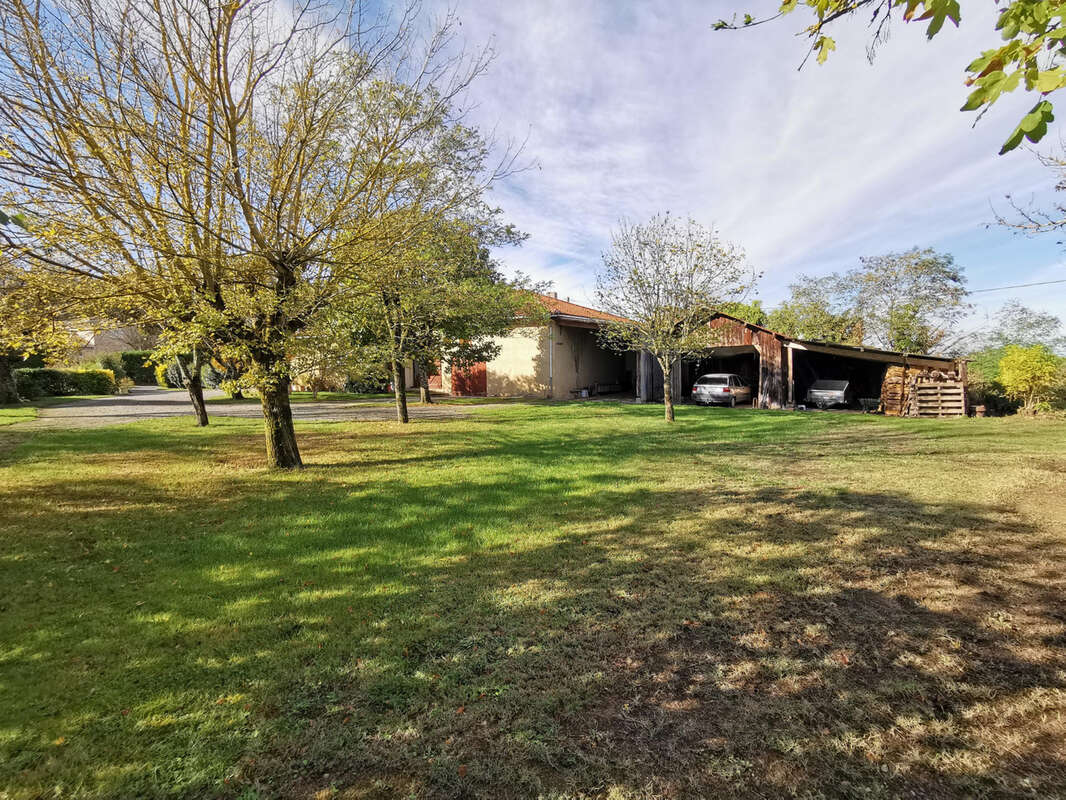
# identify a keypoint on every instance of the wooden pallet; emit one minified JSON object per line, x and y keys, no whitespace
{"x":938,"y":399}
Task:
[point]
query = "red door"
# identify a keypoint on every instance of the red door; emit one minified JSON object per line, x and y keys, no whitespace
{"x":434,"y":377}
{"x":470,"y":381}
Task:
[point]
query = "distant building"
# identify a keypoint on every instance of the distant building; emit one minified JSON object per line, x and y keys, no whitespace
{"x":99,"y":341}
{"x":559,"y":360}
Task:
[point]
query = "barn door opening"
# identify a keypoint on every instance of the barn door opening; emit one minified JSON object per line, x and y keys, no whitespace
{"x":470,"y":381}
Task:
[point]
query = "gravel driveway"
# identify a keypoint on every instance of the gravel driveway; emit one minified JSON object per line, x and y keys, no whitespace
{"x":149,"y":402}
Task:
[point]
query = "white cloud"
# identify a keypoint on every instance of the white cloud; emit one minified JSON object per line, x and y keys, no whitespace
{"x":637,"y":109}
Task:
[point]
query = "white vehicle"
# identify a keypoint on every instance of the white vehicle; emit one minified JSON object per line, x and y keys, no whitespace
{"x":721,"y":387}
{"x":826,"y":394}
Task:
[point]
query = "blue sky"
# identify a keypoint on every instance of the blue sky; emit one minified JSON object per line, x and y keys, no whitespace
{"x":632,"y":109}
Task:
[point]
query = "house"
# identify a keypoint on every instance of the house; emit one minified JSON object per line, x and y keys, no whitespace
{"x":564,"y":359}
{"x":101,"y":338}
{"x":558,"y":360}
{"x":781,"y":369}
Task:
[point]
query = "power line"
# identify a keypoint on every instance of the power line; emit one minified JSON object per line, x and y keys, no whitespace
{"x":1016,"y":286}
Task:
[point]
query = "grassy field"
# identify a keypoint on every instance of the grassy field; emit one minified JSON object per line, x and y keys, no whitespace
{"x":9,"y":415}
{"x":566,"y":601}
{"x":24,"y":412}
{"x":369,"y":399}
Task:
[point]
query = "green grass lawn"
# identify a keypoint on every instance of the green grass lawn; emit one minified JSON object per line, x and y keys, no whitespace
{"x":370,"y":399}
{"x":9,"y":415}
{"x":567,"y":601}
{"x":24,"y":412}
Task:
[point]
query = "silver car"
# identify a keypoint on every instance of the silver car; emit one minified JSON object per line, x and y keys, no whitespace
{"x":721,"y":387}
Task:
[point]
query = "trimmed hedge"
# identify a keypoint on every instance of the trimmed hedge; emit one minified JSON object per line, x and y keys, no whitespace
{"x":135,"y":362}
{"x":111,"y":361}
{"x":34,"y":383}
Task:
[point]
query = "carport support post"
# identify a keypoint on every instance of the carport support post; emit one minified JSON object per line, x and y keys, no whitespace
{"x":791,"y":380}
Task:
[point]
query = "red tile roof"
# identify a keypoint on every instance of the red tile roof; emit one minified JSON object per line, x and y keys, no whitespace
{"x":557,"y":306}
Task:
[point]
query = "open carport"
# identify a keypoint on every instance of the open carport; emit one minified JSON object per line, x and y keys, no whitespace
{"x":865,"y":376}
{"x":742,"y":360}
{"x":780,"y":369}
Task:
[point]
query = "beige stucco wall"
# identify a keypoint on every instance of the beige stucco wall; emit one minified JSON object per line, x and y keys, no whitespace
{"x":523,"y":367}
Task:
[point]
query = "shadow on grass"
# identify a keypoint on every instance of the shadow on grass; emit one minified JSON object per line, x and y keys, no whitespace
{"x":556,"y":625}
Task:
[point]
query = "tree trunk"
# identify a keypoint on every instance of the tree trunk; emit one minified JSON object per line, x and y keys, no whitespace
{"x":196,"y":394}
{"x":236,"y":394}
{"x":8,"y":390}
{"x":668,"y":397}
{"x":282,"y":451}
{"x":194,"y":382}
{"x":399,"y":388}
{"x":422,"y":377}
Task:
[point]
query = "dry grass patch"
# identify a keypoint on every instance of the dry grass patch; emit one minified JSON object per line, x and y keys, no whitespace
{"x":536,"y":601}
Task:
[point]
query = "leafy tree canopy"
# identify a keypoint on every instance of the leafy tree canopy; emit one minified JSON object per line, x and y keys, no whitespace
{"x":1016,"y":324}
{"x":752,"y":312}
{"x":1029,"y":374}
{"x":817,"y":310}
{"x":905,"y":301}
{"x":666,"y":277}
{"x":1030,"y":54}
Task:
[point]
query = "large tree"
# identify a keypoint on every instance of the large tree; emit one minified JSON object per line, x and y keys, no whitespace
{"x":817,"y":309}
{"x":211,"y":161}
{"x":1030,"y":53}
{"x":666,"y":277}
{"x":907,"y":301}
{"x":1020,"y":325}
{"x":440,"y":298}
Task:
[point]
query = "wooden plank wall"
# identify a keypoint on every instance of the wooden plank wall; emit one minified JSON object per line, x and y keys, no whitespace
{"x":773,"y":378}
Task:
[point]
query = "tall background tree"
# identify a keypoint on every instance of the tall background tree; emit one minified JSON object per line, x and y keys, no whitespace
{"x":908,"y":301}
{"x":667,"y":277}
{"x":210,"y":162}
{"x":1030,"y":52}
{"x":818,"y":309}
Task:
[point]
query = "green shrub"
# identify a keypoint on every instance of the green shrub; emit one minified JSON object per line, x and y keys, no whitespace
{"x":366,"y":385}
{"x":135,"y":363}
{"x":113,"y":362}
{"x":33,"y":383}
{"x":161,"y":376}
{"x":1029,"y":375}
{"x":168,"y":375}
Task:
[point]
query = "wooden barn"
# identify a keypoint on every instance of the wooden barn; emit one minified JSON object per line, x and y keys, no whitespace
{"x":781,"y":369}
